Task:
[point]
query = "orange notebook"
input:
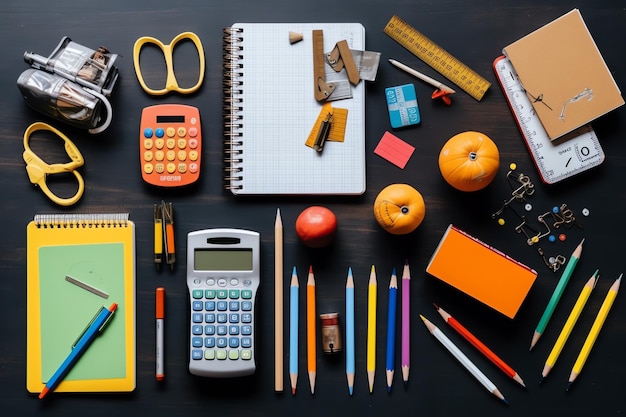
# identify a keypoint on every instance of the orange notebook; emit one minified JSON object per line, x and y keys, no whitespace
{"x":481,"y":271}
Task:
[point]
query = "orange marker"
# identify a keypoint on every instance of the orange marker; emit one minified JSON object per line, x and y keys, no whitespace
{"x":160,"y":316}
{"x":310,"y":329}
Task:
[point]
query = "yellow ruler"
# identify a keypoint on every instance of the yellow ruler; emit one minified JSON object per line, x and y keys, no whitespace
{"x":438,"y":58}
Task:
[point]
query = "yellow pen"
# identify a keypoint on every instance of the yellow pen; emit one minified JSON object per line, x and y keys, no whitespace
{"x":371,"y":329}
{"x":158,"y":236}
{"x":595,"y":330}
{"x":569,"y":324}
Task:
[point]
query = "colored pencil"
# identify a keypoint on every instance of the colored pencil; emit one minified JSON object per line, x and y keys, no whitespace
{"x":391,"y":329}
{"x":350,"y":331}
{"x":406,"y":323}
{"x":310,"y":330}
{"x":371,"y":329}
{"x":278,"y":303}
{"x":464,"y":360}
{"x":595,"y":330}
{"x":293,"y":331}
{"x":569,"y":324}
{"x":422,"y":76}
{"x":556,"y":295}
{"x":482,"y":348}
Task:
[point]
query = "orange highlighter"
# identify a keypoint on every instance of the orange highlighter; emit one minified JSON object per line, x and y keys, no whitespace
{"x":160,"y":343}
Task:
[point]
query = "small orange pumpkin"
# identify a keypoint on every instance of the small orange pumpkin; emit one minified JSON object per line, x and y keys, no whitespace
{"x":469,"y":161}
{"x":399,"y":209}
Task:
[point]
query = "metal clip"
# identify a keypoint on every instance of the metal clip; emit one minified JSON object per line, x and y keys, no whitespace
{"x":554,"y":263}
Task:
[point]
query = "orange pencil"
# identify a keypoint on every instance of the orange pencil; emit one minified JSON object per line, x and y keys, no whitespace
{"x":479,"y":345}
{"x":310,"y":329}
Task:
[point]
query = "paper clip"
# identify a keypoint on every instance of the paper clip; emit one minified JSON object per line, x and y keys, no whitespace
{"x":38,"y":170}
{"x":164,"y":247}
{"x":519,"y":192}
{"x":171,"y":84}
{"x":553,"y":262}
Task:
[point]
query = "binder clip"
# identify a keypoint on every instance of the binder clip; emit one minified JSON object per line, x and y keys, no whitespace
{"x":71,"y":85}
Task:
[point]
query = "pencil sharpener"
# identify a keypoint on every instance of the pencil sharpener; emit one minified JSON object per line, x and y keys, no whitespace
{"x":72,"y":84}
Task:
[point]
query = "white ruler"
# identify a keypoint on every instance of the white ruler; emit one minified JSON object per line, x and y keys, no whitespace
{"x":556,"y":160}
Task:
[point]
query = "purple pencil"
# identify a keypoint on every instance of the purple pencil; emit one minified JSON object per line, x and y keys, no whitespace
{"x":406,"y":314}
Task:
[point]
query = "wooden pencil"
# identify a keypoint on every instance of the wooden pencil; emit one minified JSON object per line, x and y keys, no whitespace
{"x":278,"y":303}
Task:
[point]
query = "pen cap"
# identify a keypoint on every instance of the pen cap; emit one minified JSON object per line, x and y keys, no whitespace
{"x":160,"y":303}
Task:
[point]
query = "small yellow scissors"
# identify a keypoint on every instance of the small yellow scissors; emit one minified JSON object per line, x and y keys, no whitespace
{"x":171,"y":84}
{"x":38,"y":170}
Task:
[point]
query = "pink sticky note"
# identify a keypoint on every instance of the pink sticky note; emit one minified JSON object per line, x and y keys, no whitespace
{"x":394,"y":150}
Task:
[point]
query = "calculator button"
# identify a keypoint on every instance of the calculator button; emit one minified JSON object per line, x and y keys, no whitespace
{"x":233,"y":305}
{"x":246,"y":342}
{"x":222,"y":294}
{"x":170,"y":132}
{"x":193,"y":132}
{"x":233,"y":318}
{"x":148,"y":168}
{"x":246,"y":354}
{"x":209,"y":317}
{"x":209,"y":305}
{"x":196,"y":342}
{"x":148,"y":132}
{"x":246,"y":318}
{"x":193,"y":120}
{"x":196,"y":306}
{"x":170,"y":155}
{"x":209,"y":355}
{"x":197,"y":294}
{"x":159,"y":132}
{"x":196,"y":329}
{"x":247,"y":294}
{"x":233,"y":355}
{"x":182,"y":143}
{"x":159,"y":155}
{"x":246,"y":305}
{"x":209,"y":330}
{"x":221,"y":306}
{"x":210,"y":281}
{"x":182,"y":132}
{"x":222,"y":318}
{"x":182,"y":155}
{"x":209,"y":342}
{"x":221,"y":330}
{"x":182,"y":168}
{"x":234,"y":282}
{"x":147,"y":143}
{"x":159,"y":143}
{"x":196,"y":354}
{"x":233,"y":293}
{"x":171,"y":168}
{"x":193,"y":143}
{"x":221,"y":342}
{"x":193,"y":168}
{"x":209,"y":294}
{"x":193,"y":155}
{"x":159,"y":168}
{"x":233,"y":330}
{"x":221,"y":354}
{"x":247,"y":282}
{"x":196,"y":317}
{"x":233,"y":342}
{"x":170,"y":143}
{"x":222,"y":283}
{"x":246,"y":330}
{"x":147,"y":156}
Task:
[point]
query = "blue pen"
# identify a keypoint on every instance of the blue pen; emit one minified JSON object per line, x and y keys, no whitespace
{"x":93,"y":329}
{"x":293,"y":331}
{"x":350,"y":330}
{"x":391,"y":328}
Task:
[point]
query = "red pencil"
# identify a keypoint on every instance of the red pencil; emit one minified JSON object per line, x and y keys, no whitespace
{"x":479,"y":345}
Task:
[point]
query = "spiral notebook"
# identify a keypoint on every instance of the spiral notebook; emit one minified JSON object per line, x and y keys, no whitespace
{"x":270,"y":110}
{"x":76,"y":263}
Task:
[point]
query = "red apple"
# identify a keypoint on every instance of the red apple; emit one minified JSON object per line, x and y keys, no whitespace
{"x":316,"y":226}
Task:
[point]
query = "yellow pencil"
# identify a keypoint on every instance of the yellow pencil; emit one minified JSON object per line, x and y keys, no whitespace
{"x":595,"y":330}
{"x":310,"y":329}
{"x":371,"y":329}
{"x":569,"y":324}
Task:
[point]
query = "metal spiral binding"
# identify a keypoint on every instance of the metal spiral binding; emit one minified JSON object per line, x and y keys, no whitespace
{"x":74,"y":221}
{"x":233,"y":105}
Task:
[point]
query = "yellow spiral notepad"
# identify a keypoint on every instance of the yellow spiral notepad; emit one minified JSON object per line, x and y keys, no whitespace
{"x":77,"y":263}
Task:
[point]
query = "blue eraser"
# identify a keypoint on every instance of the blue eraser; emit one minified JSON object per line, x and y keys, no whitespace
{"x":402,"y":105}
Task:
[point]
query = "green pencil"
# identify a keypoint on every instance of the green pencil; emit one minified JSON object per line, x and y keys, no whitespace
{"x":556,"y":295}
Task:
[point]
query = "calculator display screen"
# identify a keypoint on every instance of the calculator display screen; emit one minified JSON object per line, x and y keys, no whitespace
{"x":222,"y":260}
{"x":170,"y":119}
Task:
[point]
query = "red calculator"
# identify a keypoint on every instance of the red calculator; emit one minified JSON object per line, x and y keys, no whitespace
{"x":170,"y":145}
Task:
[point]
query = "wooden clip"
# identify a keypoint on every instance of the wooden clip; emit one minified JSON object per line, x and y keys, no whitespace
{"x":341,"y":57}
{"x":322,"y":89}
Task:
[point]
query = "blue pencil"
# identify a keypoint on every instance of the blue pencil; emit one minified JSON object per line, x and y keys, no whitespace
{"x":350,"y":330}
{"x":293,"y":331}
{"x":391,"y":328}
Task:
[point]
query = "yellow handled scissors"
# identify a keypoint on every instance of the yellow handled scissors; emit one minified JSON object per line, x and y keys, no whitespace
{"x":171,"y":84}
{"x":38,"y":170}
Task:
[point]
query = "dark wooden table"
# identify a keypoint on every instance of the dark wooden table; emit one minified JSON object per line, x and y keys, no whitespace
{"x":473,"y":31}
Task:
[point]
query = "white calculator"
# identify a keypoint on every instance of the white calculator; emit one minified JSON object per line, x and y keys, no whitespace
{"x":223,"y":278}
